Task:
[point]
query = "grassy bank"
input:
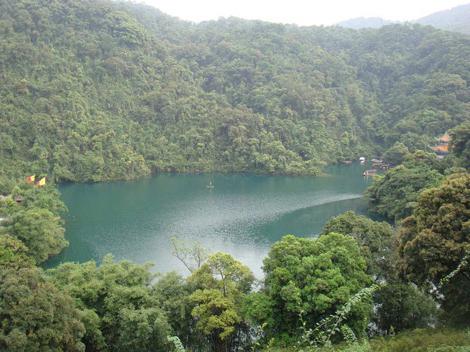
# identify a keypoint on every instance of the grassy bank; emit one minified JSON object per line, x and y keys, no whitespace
{"x":421,"y":340}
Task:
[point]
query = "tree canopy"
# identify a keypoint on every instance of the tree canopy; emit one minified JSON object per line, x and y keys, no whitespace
{"x":374,"y":239}
{"x":311,"y":279}
{"x":34,"y":315}
{"x":435,"y":240}
{"x":104,"y":90}
{"x":221,"y":284}
{"x":394,"y":194}
{"x":460,"y":143}
{"x":118,"y":306}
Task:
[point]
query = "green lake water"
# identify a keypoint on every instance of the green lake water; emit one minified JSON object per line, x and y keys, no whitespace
{"x":243,"y":214}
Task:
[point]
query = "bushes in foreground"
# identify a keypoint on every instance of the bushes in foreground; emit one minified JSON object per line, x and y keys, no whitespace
{"x":420,"y":340}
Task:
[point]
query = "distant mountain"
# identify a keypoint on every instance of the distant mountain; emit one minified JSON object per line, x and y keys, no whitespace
{"x":364,"y":22}
{"x":456,"y":19}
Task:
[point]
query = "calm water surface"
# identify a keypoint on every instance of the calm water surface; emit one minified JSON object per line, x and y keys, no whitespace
{"x":243,"y":215}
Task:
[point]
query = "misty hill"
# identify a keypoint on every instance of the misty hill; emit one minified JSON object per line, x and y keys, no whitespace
{"x":99,"y":90}
{"x":456,"y":19}
{"x":364,"y":22}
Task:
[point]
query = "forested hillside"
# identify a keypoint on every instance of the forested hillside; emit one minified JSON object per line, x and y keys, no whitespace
{"x":94,"y":90}
{"x":98,"y":90}
{"x":456,"y":19}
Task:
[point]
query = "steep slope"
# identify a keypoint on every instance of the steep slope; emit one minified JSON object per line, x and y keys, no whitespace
{"x":456,"y":19}
{"x":97,"y":90}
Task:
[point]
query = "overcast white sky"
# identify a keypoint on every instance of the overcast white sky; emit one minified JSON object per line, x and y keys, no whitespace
{"x":302,"y":12}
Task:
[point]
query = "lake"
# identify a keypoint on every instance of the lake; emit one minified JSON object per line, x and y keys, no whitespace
{"x":242,"y":215}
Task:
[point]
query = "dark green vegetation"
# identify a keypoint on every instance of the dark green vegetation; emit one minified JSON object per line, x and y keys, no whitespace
{"x":435,"y":238}
{"x":307,"y":280}
{"x":315,"y":292}
{"x":35,"y":315}
{"x":460,"y":144}
{"x":116,"y":302}
{"x":94,"y":90}
{"x":374,"y":239}
{"x":32,"y":215}
{"x":97,"y":90}
{"x":395,"y":194}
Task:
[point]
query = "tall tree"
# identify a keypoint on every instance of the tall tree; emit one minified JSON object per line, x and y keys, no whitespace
{"x":435,"y":243}
{"x":374,"y":238}
{"x":34,"y":315}
{"x":118,"y":305}
{"x":221,"y":284}
{"x":310,"y":279}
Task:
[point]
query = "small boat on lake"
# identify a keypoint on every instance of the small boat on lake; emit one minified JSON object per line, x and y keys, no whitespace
{"x":210,"y":185}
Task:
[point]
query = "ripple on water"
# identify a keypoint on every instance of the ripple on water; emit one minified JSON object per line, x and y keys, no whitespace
{"x":243,"y":215}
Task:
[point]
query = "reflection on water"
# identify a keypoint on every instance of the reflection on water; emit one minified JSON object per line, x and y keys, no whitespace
{"x":242,"y":215}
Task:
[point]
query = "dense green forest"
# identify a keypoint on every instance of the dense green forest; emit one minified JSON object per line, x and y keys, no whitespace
{"x":360,"y":286}
{"x":99,"y":90}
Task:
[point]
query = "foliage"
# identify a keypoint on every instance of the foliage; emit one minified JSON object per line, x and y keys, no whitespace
{"x":173,"y":293}
{"x":373,"y":237}
{"x":177,"y":343}
{"x":419,"y":340}
{"x":460,"y":143}
{"x":35,"y":220}
{"x":104,"y":90}
{"x":396,"y":154}
{"x":424,"y":340}
{"x":394,"y":195}
{"x":118,"y":307}
{"x":221,"y":284}
{"x":34,"y":315}
{"x":403,"y":307}
{"x":40,"y":230}
{"x":312,"y":279}
{"x":258,"y":308}
{"x":323,"y":332}
{"x":315,"y":290}
{"x":13,"y":253}
{"x":435,"y":239}
{"x":47,"y":197}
